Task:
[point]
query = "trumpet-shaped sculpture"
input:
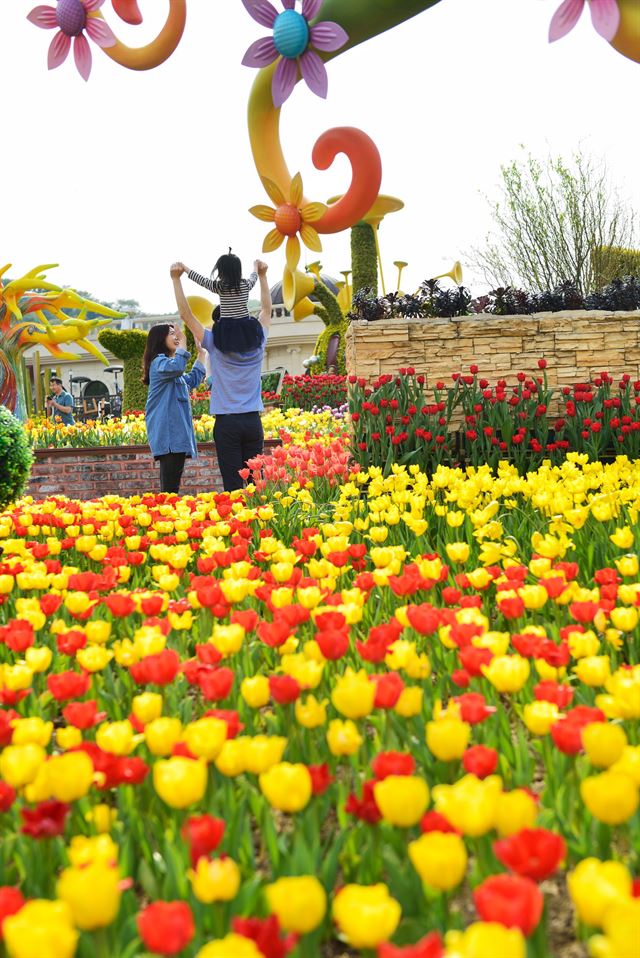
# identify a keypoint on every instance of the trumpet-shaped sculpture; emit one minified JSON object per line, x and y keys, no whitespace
{"x":35,"y":312}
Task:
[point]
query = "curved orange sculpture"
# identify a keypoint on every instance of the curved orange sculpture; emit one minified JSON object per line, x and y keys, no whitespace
{"x":152,"y":54}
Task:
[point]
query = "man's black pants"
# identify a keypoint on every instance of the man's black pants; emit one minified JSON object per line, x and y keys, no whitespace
{"x":171,"y":468}
{"x":238,"y":438}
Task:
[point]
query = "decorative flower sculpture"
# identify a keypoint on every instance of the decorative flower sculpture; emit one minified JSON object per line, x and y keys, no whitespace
{"x":292,"y":39}
{"x":605,"y":15}
{"x":73,"y":19}
{"x":290,"y":218}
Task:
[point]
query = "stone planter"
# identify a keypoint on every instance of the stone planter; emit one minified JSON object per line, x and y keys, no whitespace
{"x":94,"y":471}
{"x":577,"y":346}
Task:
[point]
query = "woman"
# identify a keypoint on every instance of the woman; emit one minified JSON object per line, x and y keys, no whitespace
{"x":236,"y":386}
{"x":168,"y":410}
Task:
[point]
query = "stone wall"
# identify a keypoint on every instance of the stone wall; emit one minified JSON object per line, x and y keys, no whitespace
{"x":117,"y":470}
{"x":576,"y":345}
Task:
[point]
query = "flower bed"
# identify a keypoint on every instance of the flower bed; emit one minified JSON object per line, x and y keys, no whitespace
{"x":479,"y":423}
{"x":237,"y":727}
{"x":131,"y":429}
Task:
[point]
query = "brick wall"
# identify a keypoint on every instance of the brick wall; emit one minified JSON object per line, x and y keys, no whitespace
{"x":577,"y":346}
{"x":117,"y":470}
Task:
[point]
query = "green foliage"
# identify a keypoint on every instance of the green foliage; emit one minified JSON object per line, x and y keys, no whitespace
{"x":16,"y":458}
{"x":364,"y":259}
{"x":614,"y":262}
{"x":128,"y":345}
{"x":336,"y":322}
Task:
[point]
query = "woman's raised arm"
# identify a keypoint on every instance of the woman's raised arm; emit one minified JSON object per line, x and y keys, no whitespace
{"x":187,"y":317}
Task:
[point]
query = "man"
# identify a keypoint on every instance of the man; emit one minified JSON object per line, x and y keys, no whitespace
{"x":61,"y":403}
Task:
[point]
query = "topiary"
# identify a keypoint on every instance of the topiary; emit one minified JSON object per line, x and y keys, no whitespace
{"x":16,"y":458}
{"x":128,"y":345}
{"x":364,"y":258}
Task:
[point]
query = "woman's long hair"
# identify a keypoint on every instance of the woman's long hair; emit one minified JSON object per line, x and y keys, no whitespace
{"x":156,"y":346}
{"x":229,"y":271}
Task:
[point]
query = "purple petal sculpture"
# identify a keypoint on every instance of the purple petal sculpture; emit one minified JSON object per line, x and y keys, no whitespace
{"x":291,"y":44}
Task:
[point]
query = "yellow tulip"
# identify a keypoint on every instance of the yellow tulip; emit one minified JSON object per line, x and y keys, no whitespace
{"x":217,"y":879}
{"x":85,"y":850}
{"x":448,"y":738}
{"x":594,"y":670}
{"x":625,"y":619}
{"x":402,"y":799}
{"x":471,"y":805}
{"x":507,"y":673}
{"x":440,"y":858}
{"x":610,"y":797}
{"x":41,"y":928}
{"x":310,"y":713}
{"x":255,"y":691}
{"x":231,"y":946}
{"x":366,"y":914}
{"x":179,"y":781}
{"x":458,"y":552}
{"x":20,"y":764}
{"x":484,"y":939}
{"x":343,"y":737}
{"x":34,"y":730}
{"x":628,"y":566}
{"x":92,"y":893}
{"x":162,"y":735}
{"x":515,"y":811}
{"x":286,"y":787}
{"x":205,"y":737}
{"x":629,"y":763}
{"x":595,"y":885}
{"x":299,"y":903}
{"x":410,"y":701}
{"x":604,"y":743}
{"x":116,"y":737}
{"x":262,"y":752}
{"x":539,"y":716}
{"x":353,"y":694}
{"x":147,"y":706}
{"x":69,"y":776}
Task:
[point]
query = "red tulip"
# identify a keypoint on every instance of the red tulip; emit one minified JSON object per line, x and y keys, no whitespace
{"x":83,"y":715}
{"x":364,"y":808}
{"x":266,"y":934}
{"x":436,"y":822}
{"x":11,"y":901}
{"x":46,"y":820}
{"x":159,"y":669}
{"x":284,"y":689}
{"x":68,"y":685}
{"x":511,"y":900}
{"x":203,"y":834}
{"x":392,"y":763}
{"x":431,"y":946}
{"x":533,"y":853}
{"x":166,"y":927}
{"x":480,"y":760}
{"x":321,"y":778}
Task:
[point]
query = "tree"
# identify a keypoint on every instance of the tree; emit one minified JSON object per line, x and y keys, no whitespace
{"x":551,"y":220}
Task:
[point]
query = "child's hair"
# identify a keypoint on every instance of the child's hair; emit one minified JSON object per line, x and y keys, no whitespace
{"x":215,"y":316}
{"x":229,"y":270}
{"x":156,"y":346}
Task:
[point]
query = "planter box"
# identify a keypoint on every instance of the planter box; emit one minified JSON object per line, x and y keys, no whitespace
{"x":577,"y":346}
{"x":94,"y":471}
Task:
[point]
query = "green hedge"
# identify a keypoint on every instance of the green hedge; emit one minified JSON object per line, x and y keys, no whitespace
{"x":16,"y":458}
{"x":614,"y":262}
{"x":128,"y":345}
{"x":364,"y":258}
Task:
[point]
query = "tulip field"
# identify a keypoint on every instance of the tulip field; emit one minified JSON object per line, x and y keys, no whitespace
{"x":343,"y":713}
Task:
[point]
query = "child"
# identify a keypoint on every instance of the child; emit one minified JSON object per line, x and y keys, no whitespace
{"x":168,"y":410}
{"x":236,"y":331}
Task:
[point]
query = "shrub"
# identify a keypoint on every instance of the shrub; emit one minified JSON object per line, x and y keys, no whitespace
{"x":16,"y":458}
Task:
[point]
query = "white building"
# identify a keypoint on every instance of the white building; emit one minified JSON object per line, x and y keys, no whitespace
{"x":289,"y":344}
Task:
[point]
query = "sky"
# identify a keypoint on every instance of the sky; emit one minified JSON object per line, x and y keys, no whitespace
{"x":116,"y":178}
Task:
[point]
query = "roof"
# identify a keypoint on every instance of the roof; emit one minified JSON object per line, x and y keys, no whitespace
{"x":276,"y":291}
